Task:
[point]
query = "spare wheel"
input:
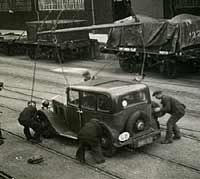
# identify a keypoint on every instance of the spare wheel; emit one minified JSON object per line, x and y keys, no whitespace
{"x":138,"y":122}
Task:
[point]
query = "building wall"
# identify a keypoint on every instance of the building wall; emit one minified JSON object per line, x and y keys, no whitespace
{"x":102,"y":8}
{"x":153,"y":8}
{"x":103,"y":11}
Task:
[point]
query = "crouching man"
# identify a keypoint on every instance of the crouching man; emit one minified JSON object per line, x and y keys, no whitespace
{"x":90,"y":138}
{"x":176,"y":109}
{"x":28,"y":119}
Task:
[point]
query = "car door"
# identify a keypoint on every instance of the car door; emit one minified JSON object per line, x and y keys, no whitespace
{"x":88,"y":106}
{"x":73,"y":110}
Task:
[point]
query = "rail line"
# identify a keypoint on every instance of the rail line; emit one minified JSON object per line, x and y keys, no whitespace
{"x":189,"y":111}
{"x":5,"y":175}
{"x":192,"y":137}
{"x":194,"y":84}
{"x":58,"y":153}
{"x":103,"y":170}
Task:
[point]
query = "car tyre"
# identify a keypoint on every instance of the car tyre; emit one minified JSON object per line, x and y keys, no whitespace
{"x":134,"y":118}
{"x":107,"y":143}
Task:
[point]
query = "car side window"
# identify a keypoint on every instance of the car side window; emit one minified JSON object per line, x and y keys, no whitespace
{"x":88,"y":101}
{"x":74,"y":97}
{"x":103,"y":103}
{"x":133,"y":98}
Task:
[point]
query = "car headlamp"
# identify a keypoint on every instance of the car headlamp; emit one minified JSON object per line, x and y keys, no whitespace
{"x":124,"y":136}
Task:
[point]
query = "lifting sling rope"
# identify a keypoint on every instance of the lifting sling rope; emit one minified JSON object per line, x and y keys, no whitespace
{"x":55,"y":41}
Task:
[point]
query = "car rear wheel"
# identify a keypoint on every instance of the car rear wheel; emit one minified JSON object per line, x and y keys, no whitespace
{"x":138,"y":122}
{"x":107,"y":143}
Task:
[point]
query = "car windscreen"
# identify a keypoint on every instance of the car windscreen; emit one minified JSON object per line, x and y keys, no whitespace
{"x":133,"y":98}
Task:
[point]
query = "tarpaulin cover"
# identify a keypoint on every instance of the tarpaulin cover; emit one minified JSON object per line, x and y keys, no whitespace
{"x":161,"y":34}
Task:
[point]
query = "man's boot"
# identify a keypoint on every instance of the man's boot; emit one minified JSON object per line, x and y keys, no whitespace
{"x":80,"y":154}
{"x":27,"y":133}
{"x":168,"y":137}
{"x":97,"y":154}
{"x":177,"y":133}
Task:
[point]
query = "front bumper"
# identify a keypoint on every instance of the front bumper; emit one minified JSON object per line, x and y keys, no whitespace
{"x":140,"y":139}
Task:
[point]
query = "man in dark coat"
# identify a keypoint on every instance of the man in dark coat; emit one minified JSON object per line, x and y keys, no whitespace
{"x":28,"y":118}
{"x":90,"y":137}
{"x":176,"y":109}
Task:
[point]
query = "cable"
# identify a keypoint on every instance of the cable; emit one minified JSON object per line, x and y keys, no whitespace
{"x":101,"y":69}
{"x":12,"y":109}
{"x":55,"y":40}
{"x":18,"y":92}
{"x":27,"y":89}
{"x":144,"y":52}
{"x":33,"y":79}
{"x":37,"y":49}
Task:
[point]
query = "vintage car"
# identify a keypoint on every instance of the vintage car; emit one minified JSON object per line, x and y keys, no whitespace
{"x":122,"y":107}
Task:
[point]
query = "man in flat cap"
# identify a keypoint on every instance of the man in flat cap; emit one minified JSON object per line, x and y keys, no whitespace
{"x":176,"y":109}
{"x":28,"y":119}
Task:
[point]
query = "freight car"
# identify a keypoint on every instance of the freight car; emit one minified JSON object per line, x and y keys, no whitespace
{"x":73,"y":44}
{"x":76,"y":44}
{"x":170,"y":45}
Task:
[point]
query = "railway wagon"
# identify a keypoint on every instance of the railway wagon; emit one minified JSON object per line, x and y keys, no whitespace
{"x":29,"y":15}
{"x":170,"y":45}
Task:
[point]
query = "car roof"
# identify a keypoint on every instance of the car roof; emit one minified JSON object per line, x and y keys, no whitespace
{"x":113,"y":87}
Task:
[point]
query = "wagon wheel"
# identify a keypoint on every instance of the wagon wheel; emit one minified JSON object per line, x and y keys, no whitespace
{"x":8,"y":49}
{"x":107,"y":143}
{"x":58,"y":55}
{"x":32,"y":53}
{"x":128,"y":64}
{"x":171,"y":70}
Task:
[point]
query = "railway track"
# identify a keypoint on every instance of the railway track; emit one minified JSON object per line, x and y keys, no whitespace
{"x":9,"y":89}
{"x":103,"y":170}
{"x":61,"y":154}
{"x":184,"y":83}
{"x":192,"y":137}
{"x":99,"y":169}
{"x":5,"y":175}
{"x":163,"y":127}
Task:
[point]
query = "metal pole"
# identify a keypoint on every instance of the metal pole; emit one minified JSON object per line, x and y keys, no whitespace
{"x":93,"y":13}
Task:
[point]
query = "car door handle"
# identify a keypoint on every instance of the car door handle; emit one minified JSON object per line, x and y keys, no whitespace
{"x":79,"y":111}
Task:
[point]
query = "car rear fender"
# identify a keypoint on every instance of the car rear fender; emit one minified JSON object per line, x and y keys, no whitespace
{"x":113,"y":132}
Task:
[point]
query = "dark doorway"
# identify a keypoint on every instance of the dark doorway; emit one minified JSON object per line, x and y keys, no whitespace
{"x":175,"y":7}
{"x":121,"y":9}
